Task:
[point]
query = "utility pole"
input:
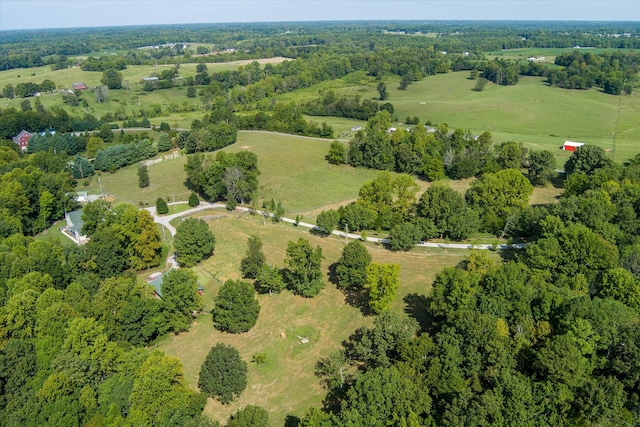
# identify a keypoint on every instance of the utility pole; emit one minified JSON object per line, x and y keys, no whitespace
{"x":346,"y":232}
{"x":101,"y":190}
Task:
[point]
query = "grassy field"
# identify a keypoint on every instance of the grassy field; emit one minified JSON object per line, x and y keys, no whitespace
{"x":548,"y":53}
{"x":285,"y":384}
{"x":302,"y":179}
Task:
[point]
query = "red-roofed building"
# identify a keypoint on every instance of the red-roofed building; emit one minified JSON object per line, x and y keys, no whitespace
{"x":22,"y":139}
{"x":79,"y":86}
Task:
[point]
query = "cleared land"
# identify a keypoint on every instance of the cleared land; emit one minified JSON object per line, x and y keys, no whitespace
{"x":286,"y":384}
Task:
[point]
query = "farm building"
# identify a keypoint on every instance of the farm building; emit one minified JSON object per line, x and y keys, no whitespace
{"x":571,"y":145}
{"x":79,"y":86}
{"x":356,"y":128}
{"x":22,"y":139}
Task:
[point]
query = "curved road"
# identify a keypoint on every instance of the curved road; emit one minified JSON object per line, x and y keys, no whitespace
{"x":166,"y":219}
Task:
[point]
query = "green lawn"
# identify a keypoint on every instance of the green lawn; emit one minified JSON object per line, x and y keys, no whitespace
{"x":286,"y":385}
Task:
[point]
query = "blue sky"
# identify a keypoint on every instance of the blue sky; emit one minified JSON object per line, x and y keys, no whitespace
{"x":19,"y":14}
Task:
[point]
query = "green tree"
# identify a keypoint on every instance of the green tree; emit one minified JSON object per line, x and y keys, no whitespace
{"x":164,"y":142}
{"x":337,"y":153}
{"x":253,"y":259}
{"x":382,"y":91}
{"x":351,"y":267}
{"x":223,"y":374}
{"x":236,"y":309}
{"x":193,"y":242}
{"x":143,"y":176}
{"x":541,"y":167}
{"x":620,"y":285}
{"x":191,"y":92}
{"x":112,"y":78}
{"x":193,"y":200}
{"x":161,"y":206}
{"x":382,"y":283}
{"x":448,"y":211}
{"x":303,"y":271}
{"x":269,"y":279}
{"x":587,"y":159}
{"x":249,"y":416}
{"x":380,"y":345}
{"x":327,"y":221}
{"x":499,"y":196}
{"x":159,"y":393}
{"x":180,"y":298}
{"x":405,"y":236}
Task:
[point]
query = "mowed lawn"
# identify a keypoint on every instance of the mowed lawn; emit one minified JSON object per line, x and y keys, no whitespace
{"x":286,"y":384}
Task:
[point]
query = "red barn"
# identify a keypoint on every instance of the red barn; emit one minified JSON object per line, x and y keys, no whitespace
{"x":571,"y":146}
{"x":22,"y":139}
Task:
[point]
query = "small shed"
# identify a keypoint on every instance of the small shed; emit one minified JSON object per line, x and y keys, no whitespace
{"x":356,"y":128}
{"x":79,"y":86}
{"x":571,"y":145}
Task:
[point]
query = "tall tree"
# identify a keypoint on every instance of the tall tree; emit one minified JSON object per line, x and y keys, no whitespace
{"x":194,"y":242}
{"x":351,"y":267}
{"x":236,"y":309}
{"x":382,"y":283}
{"x":143,"y":176}
{"x":253,"y":259}
{"x":303,"y":271}
{"x":223,"y":374}
{"x":249,"y":416}
{"x":180,"y":298}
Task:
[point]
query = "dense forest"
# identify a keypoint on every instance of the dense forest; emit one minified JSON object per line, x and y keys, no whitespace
{"x":545,"y":335}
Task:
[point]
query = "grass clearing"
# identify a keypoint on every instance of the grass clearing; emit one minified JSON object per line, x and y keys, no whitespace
{"x":286,"y":384}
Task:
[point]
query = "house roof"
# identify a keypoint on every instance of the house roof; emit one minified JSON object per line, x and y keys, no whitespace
{"x":23,"y":132}
{"x":76,"y":221}
{"x":157,"y":284}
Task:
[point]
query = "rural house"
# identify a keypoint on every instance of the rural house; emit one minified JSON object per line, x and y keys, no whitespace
{"x":22,"y":139}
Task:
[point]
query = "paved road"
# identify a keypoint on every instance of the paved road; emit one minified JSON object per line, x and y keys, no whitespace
{"x":166,"y":219}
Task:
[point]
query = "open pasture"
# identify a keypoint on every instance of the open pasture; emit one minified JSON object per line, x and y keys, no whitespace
{"x":530,"y":112}
{"x":286,"y":384}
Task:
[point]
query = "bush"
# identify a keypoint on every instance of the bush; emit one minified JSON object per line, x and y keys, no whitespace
{"x":161,"y":206}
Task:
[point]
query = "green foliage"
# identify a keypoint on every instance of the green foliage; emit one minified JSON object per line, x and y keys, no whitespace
{"x":223,"y":374}
{"x":117,"y":156}
{"x":351,"y":267}
{"x":143,"y":176}
{"x":587,"y":159}
{"x":269,"y":279}
{"x":193,"y":242}
{"x":541,"y":167}
{"x":161,"y":206}
{"x":249,"y":416}
{"x":499,"y":196}
{"x":112,"y":78}
{"x":193,"y":200}
{"x":337,"y":153}
{"x":236,"y":308}
{"x":180,"y":297}
{"x":448,"y":211}
{"x":164,"y":142}
{"x":383,"y":283}
{"x":327,"y":221}
{"x":254,"y":258}
{"x":302,"y":268}
{"x":405,"y":236}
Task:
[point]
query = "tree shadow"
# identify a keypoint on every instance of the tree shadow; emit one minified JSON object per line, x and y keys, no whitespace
{"x":358,"y":299}
{"x":291,"y":421}
{"x":331,"y":275}
{"x":417,"y":306}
